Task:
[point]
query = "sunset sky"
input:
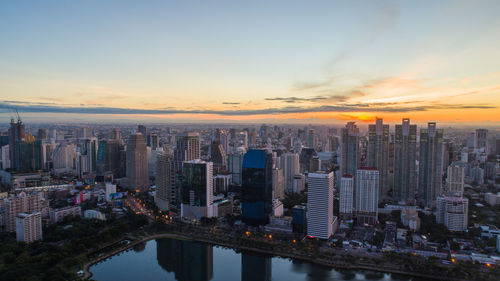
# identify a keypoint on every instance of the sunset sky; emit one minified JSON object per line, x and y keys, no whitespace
{"x":251,"y":61}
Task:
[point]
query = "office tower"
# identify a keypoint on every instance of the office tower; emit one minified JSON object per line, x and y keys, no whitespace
{"x":137,"y":163}
{"x":102,"y":157}
{"x":16,"y":136}
{"x":299,"y":214}
{"x":350,"y":155}
{"x":405,"y":150}
{"x":452,"y":212}
{"x":218,"y":157}
{"x":29,"y":227}
{"x":234,"y":166}
{"x":187,"y":148}
{"x":366,"y":195}
{"x":21,"y":203}
{"x":197,"y":189}
{"x":278,"y":184}
{"x":320,"y":205}
{"x":163,"y":181}
{"x":154,"y":141}
{"x":144,"y":131}
{"x":312,"y":139}
{"x":87,"y":160}
{"x":332,"y":144}
{"x":113,"y":151}
{"x":455,"y":179}
{"x":29,"y":156}
{"x":115,"y":134}
{"x":42,"y":134}
{"x":256,"y":189}
{"x":64,"y":158}
{"x":430,"y":164}
{"x":299,"y":184}
{"x":346,"y":197}
{"x":378,"y":152}
{"x":252,"y":139}
{"x":315,"y":164}
{"x":306,"y":155}
{"x":481,"y":140}
{"x":289,"y":163}
{"x":221,"y":183}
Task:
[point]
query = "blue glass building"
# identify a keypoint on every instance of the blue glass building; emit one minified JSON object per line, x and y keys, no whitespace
{"x":257,"y":201}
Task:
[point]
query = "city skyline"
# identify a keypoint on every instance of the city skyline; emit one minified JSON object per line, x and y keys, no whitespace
{"x":321,"y":62}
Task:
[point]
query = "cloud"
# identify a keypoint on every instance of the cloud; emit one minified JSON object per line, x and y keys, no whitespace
{"x":394,"y":108}
{"x":230,"y":103}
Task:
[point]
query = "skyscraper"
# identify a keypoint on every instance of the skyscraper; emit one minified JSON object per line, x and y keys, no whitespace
{"x":137,"y":163}
{"x":346,"y":197}
{"x":320,"y":205}
{"x":278,"y":184}
{"x":430,"y":164}
{"x":16,"y":135}
{"x":481,"y":140}
{"x":197,"y":189}
{"x":289,"y":163}
{"x":163,"y":181}
{"x":366,"y":195}
{"x":350,"y":149}
{"x":455,"y":179}
{"x":256,"y":198}
{"x":218,"y":157}
{"x":405,"y":150}
{"x":187,"y":148}
{"x":378,"y":152}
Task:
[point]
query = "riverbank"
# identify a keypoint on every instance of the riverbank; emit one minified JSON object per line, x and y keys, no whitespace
{"x":307,"y":258}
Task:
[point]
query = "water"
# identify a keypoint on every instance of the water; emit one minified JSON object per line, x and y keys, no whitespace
{"x":171,"y":259}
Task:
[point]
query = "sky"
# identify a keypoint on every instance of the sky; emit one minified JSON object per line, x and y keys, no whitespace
{"x":325,"y":62}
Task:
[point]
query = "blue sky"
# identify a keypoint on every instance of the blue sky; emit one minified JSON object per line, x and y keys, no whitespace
{"x":202,"y":55}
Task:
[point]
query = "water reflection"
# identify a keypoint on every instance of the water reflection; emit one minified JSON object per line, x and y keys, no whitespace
{"x":255,"y":267}
{"x":189,"y":261}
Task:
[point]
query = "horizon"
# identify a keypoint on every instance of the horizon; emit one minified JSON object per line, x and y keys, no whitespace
{"x":327,"y":63}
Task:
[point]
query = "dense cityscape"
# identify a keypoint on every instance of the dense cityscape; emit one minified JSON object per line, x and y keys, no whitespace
{"x":254,"y":140}
{"x":354,"y":194}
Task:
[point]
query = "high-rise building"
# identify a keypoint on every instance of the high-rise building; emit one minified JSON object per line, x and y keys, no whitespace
{"x":481,"y":140}
{"x":234,"y":162}
{"x":455,"y":179}
{"x":17,"y":134}
{"x":452,"y":212}
{"x":278,"y":184}
{"x":154,"y":141}
{"x":197,"y":189}
{"x":144,"y":131}
{"x":289,"y":163}
{"x":257,"y":197}
{"x":378,"y":152}
{"x":21,"y":203}
{"x":312,"y":139}
{"x":346,"y":197}
{"x":366,"y":195}
{"x":163,"y":181}
{"x":187,"y":148}
{"x":137,"y":163}
{"x":306,"y":155}
{"x":405,"y":150}
{"x":218,"y":157}
{"x":430,"y":164}
{"x":350,"y":156}
{"x":110,"y":189}
{"x":29,"y":227}
{"x":320,"y":205}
